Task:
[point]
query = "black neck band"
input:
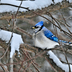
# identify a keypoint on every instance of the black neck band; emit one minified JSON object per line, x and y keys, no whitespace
{"x":41,"y":27}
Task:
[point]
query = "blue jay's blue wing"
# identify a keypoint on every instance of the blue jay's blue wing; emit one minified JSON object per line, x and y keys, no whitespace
{"x":52,"y":37}
{"x":49,"y":34}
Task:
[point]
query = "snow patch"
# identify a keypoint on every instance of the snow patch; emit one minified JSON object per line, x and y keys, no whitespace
{"x":65,"y":67}
{"x":37,"y":4}
{"x":15,"y":42}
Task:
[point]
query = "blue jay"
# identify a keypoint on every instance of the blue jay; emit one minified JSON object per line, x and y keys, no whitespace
{"x":44,"y":38}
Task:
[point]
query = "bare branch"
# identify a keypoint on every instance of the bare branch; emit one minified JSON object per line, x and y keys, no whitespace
{"x":12,"y":5}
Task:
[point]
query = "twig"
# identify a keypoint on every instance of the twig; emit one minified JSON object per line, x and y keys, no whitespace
{"x":23,"y":31}
{"x":14,"y":23}
{"x":21,"y":66}
{"x":66,"y":58}
{"x":32,"y":62}
{"x":62,"y":23}
{"x":65,"y":62}
{"x":11,"y":60}
{"x":38,"y":55}
{"x":54,"y":19}
{"x":66,"y":24}
{"x":18,"y":8}
{"x":8,"y":45}
{"x":27,"y":67}
{"x":51,"y":65}
{"x":5,"y":70}
{"x":13,"y":5}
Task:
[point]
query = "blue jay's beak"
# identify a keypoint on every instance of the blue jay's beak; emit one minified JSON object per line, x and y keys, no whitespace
{"x":32,"y":27}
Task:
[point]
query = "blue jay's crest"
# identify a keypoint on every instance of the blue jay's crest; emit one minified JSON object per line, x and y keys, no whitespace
{"x":39,"y":23}
{"x":44,"y":38}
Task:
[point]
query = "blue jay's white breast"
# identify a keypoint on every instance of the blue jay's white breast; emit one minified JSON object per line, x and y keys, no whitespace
{"x":40,"y":40}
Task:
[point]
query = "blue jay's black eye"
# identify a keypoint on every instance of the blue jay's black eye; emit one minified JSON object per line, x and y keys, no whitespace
{"x":36,"y":26}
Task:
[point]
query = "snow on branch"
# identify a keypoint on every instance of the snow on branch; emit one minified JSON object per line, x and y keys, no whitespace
{"x":65,"y":67}
{"x":37,"y":4}
{"x":15,"y":42}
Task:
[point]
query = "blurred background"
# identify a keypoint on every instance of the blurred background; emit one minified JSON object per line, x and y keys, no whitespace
{"x":62,"y":12}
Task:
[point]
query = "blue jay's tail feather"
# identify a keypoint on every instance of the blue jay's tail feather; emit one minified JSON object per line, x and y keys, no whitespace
{"x":65,"y":42}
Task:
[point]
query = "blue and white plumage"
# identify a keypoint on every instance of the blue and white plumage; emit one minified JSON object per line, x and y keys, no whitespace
{"x":44,"y":38}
